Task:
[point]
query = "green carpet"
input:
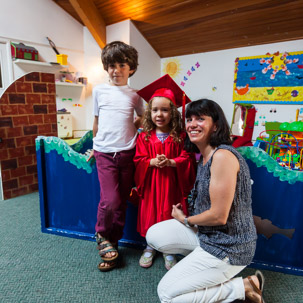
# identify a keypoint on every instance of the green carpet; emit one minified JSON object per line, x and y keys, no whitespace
{"x":39,"y":267}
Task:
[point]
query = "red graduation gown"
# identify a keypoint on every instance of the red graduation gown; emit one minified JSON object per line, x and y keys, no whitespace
{"x":160,"y":188}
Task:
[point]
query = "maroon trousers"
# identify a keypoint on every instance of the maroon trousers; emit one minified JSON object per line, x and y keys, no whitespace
{"x":115,"y":172}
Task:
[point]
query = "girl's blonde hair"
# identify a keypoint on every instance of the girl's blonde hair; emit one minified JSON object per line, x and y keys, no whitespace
{"x":175,"y":123}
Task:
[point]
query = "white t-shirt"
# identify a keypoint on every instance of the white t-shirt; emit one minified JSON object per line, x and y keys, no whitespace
{"x":115,"y":106}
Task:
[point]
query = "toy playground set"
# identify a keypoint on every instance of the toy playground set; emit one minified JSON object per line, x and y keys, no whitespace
{"x":284,"y":143}
{"x":69,"y":195}
{"x":69,"y":188}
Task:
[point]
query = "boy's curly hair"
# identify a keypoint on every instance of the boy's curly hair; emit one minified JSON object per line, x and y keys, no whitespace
{"x":175,"y":123}
{"x":119,"y":52}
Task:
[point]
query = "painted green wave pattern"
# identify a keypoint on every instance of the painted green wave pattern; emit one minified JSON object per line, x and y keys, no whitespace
{"x":79,"y":145}
{"x":261,"y":158}
{"x":68,"y":154}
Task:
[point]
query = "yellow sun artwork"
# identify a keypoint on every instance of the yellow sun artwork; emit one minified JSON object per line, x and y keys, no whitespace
{"x":172,"y":67}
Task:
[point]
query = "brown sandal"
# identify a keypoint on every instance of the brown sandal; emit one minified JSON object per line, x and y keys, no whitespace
{"x":110,"y":265}
{"x":105,"y":248}
{"x":260,"y":277}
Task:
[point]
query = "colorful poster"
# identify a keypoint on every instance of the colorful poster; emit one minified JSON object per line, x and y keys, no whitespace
{"x":273,"y":78}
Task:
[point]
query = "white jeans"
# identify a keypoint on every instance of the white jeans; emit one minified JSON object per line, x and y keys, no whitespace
{"x":199,"y":277}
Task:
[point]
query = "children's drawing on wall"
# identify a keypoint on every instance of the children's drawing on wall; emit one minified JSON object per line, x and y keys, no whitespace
{"x":272,"y":78}
{"x":172,"y":67}
{"x":189,"y":73}
{"x":260,"y":119}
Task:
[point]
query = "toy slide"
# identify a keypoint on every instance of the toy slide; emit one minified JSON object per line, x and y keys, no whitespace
{"x":69,"y":191}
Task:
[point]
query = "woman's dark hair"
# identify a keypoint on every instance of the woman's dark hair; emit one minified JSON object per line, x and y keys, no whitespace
{"x":119,"y":52}
{"x":205,"y":107}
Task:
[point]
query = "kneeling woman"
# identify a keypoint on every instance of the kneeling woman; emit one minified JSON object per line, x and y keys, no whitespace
{"x":219,"y":237}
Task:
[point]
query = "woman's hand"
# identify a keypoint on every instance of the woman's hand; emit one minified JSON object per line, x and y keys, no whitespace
{"x":178,"y":213}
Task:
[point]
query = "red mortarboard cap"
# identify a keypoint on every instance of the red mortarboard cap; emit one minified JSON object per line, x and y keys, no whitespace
{"x":164,"y":87}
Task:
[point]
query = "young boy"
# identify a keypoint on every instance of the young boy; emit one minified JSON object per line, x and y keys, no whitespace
{"x":114,"y":140}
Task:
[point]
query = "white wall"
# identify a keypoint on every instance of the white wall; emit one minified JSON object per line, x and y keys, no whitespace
{"x":93,"y":71}
{"x":30,"y":22}
{"x":149,"y":61}
{"x":214,"y":79}
{"x":33,"y":20}
{"x":118,"y":32}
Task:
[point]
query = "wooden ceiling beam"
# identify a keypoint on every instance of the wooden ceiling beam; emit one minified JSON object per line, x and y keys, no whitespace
{"x":92,"y":19}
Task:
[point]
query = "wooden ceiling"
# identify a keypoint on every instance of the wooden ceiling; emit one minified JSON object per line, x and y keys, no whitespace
{"x":182,"y":27}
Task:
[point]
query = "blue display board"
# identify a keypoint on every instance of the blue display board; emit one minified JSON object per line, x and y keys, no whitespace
{"x":277,"y":201}
{"x":69,"y":195}
{"x":69,"y":192}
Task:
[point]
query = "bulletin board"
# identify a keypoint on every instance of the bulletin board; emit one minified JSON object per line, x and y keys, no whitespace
{"x":269,"y":79}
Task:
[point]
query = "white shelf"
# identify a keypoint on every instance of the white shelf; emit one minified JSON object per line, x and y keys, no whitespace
{"x":58,"y":83}
{"x":38,"y":66}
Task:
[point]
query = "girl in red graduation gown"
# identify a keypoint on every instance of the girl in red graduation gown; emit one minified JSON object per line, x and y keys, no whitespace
{"x":165,"y":172}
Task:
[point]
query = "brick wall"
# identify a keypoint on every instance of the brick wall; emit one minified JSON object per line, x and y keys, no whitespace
{"x":27,"y":110}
